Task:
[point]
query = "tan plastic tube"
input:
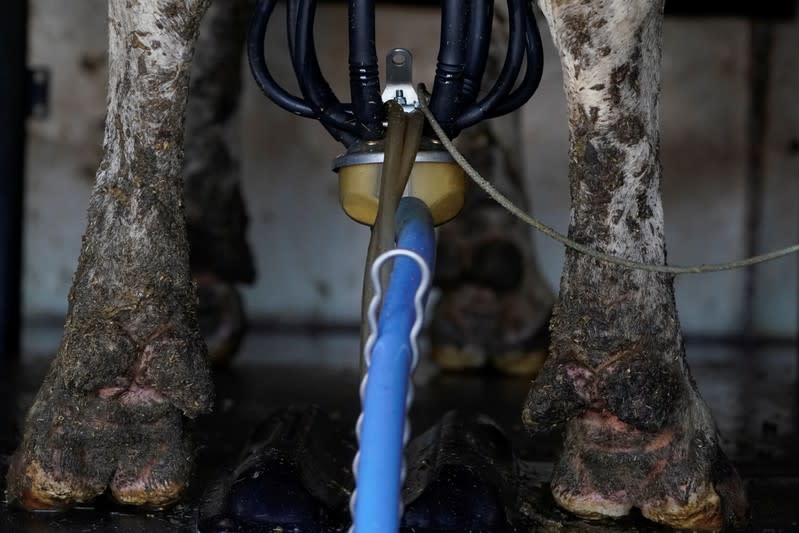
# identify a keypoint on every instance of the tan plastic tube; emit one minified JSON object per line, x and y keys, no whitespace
{"x":403,"y":135}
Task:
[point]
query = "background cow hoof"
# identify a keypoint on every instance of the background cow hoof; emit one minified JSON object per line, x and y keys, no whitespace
{"x":477,"y":327}
{"x":222,"y":319}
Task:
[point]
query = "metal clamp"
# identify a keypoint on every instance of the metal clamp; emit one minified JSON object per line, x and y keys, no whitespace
{"x":399,"y":79}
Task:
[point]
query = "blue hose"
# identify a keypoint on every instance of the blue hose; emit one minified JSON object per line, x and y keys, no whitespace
{"x":385,"y":391}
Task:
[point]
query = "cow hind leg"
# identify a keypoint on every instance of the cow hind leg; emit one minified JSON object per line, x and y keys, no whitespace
{"x":638,"y":434}
{"x":216,"y":218}
{"x":132,"y":363}
{"x":495,"y":304}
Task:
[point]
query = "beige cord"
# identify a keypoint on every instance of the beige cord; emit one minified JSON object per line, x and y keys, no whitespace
{"x":583,"y":249}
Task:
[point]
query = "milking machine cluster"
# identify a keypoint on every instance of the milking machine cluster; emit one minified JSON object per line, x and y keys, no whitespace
{"x":456,"y":99}
{"x":435,"y":187}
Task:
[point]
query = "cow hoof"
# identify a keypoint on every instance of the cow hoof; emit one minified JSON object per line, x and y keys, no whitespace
{"x":136,"y":452}
{"x":675,"y":476}
{"x":154,"y":478}
{"x":451,"y":358}
{"x":637,"y":436}
{"x":517,"y":363}
{"x":476,"y":328}
{"x":109,"y":416}
{"x":222,"y":319}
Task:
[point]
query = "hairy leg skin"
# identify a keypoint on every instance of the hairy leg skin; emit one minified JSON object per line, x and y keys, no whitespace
{"x":495,"y":304}
{"x":216,"y":218}
{"x":638,"y":434}
{"x":132,"y":363}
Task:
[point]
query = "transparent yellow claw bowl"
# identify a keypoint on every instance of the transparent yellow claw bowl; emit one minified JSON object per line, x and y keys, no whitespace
{"x":435,"y":179}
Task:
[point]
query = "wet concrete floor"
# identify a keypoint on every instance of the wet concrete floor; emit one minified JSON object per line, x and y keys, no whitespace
{"x":753,"y":392}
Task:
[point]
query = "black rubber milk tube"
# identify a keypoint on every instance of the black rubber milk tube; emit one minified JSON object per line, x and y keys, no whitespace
{"x":367,"y":103}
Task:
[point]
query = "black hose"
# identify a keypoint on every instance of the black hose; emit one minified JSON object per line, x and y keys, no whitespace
{"x":330,"y":111}
{"x":292,"y":9}
{"x":445,"y":102}
{"x":256,"y":56}
{"x":481,"y":16}
{"x":466,"y":27}
{"x":367,"y":103}
{"x":510,"y":69}
{"x":533,"y":73}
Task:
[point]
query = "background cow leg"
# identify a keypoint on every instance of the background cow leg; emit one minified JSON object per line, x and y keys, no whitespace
{"x":495,"y":304}
{"x":638,"y":433}
{"x":131,"y":363}
{"x":216,"y":219}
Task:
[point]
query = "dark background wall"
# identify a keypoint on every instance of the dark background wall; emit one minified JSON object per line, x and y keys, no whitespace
{"x":309,"y":255}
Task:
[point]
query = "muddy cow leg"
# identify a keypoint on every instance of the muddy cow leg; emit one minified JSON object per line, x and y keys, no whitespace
{"x":216,"y":218}
{"x":131,"y":363}
{"x":638,"y":434}
{"x":495,"y":304}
